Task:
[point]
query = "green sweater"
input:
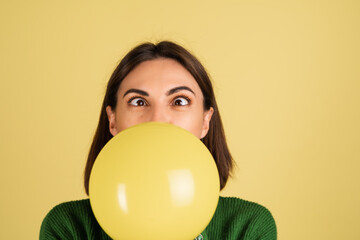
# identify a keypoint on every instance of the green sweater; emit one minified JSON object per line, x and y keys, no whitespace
{"x":234,"y":218}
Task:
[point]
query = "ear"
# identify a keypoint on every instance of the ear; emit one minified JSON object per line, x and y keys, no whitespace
{"x":112,"y":121}
{"x":206,"y":122}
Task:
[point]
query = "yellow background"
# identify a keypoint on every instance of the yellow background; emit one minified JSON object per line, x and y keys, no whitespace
{"x":286,"y":76}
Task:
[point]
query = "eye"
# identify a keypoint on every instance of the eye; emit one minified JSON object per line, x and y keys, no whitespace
{"x":181,"y":101}
{"x":139,"y":102}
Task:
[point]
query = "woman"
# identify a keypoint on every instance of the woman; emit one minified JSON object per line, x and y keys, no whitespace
{"x":163,"y":83}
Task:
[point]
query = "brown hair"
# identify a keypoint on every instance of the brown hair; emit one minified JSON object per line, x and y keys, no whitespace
{"x":215,"y":138}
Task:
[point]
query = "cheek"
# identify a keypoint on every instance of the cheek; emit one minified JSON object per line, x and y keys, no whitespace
{"x":126,"y":119}
{"x":193,"y":123}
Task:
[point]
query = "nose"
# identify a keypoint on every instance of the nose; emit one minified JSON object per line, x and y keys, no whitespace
{"x":159,"y":114}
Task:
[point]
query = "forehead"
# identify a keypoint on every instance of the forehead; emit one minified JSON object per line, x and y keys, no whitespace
{"x":159,"y":74}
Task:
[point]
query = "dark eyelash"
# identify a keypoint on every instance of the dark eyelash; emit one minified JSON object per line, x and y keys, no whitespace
{"x":183,"y":96}
{"x":132,"y":98}
{"x":179,"y":96}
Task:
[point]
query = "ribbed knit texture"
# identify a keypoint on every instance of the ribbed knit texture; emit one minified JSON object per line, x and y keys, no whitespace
{"x":234,"y":219}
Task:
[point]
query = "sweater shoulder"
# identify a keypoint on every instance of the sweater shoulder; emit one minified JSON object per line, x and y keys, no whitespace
{"x":236,"y":218}
{"x":70,"y":207}
{"x":71,"y":220}
{"x":68,"y":211}
{"x":238,"y":206}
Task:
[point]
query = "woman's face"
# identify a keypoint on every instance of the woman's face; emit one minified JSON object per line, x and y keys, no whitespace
{"x":160,"y":90}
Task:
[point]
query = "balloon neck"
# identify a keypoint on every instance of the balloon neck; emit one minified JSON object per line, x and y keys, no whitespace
{"x":200,"y":237}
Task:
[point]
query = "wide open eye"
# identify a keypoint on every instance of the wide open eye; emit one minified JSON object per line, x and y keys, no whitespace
{"x":181,"y":101}
{"x":137,"y":101}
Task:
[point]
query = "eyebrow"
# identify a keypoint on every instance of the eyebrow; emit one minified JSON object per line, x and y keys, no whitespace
{"x":138,"y":91}
{"x":177,"y":89}
{"x":171,"y":91}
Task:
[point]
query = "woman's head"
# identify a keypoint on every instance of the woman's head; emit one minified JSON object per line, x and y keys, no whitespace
{"x":162,"y":82}
{"x":160,"y":90}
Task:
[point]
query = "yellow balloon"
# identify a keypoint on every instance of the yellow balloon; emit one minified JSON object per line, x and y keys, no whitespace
{"x":154,"y":181}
